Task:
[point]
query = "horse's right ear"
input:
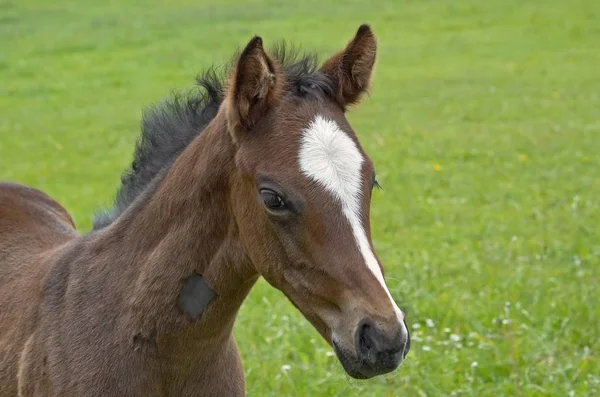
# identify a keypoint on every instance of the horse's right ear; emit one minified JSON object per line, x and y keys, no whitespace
{"x":254,"y":88}
{"x":351,"y":69}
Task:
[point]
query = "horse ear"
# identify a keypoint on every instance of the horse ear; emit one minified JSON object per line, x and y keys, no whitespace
{"x":350,"y":69}
{"x":254,"y":87}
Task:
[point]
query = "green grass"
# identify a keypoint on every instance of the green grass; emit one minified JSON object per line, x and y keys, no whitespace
{"x":483,"y":122}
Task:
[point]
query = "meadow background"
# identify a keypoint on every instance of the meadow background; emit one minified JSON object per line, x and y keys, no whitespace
{"x":484,"y":125}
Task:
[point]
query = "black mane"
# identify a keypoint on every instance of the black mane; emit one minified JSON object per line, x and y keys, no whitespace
{"x":167,"y":128}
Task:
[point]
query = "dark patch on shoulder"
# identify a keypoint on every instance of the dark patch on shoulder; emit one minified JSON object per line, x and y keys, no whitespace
{"x":194,"y":297}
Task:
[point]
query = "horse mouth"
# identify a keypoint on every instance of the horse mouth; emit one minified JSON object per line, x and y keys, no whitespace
{"x":359,"y":369}
{"x":353,"y":367}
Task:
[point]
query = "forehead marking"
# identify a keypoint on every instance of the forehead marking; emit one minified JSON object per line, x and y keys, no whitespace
{"x":330,"y":157}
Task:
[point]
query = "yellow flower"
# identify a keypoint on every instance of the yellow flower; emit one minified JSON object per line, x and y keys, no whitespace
{"x":523,"y":158}
{"x":437,"y":167}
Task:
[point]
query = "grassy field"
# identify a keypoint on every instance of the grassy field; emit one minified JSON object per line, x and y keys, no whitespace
{"x":483,"y":122}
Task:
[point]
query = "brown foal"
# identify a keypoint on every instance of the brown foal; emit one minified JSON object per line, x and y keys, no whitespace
{"x":260,"y":177}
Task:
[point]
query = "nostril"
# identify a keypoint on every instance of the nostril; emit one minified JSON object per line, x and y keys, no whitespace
{"x":380,"y":351}
{"x":365,"y":342}
{"x":407,"y":343}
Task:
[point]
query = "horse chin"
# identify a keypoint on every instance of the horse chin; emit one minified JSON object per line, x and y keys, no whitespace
{"x":350,"y":364}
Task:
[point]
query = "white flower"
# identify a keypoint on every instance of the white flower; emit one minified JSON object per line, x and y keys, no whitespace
{"x":416,"y":326}
{"x":474,"y":364}
{"x":426,"y":348}
{"x":454,"y":338}
{"x":429,"y":322}
{"x":285,"y":368}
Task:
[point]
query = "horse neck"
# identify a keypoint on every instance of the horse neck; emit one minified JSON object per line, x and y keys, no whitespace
{"x":183,"y":227}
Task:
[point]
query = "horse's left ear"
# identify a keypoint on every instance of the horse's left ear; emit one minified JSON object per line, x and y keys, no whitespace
{"x":351,"y":68}
{"x":254,"y":87}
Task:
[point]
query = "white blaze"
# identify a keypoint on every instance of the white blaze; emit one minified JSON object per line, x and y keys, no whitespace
{"x":331,"y":158}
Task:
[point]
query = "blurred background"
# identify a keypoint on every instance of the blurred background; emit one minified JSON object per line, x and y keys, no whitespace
{"x":483,"y":123}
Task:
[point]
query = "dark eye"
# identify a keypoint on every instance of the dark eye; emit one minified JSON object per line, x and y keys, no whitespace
{"x":272,"y":200}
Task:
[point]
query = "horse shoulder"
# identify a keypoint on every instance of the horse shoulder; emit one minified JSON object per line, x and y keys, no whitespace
{"x":32,"y":227}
